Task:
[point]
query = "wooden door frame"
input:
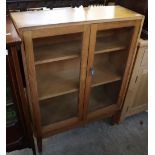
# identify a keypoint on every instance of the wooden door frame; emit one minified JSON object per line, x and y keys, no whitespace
{"x":65,"y":124}
{"x":132,"y":51}
{"x":120,"y":115}
{"x":31,"y":82}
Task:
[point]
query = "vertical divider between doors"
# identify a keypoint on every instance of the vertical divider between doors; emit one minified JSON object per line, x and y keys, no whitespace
{"x":83,"y":72}
{"x":90,"y":61}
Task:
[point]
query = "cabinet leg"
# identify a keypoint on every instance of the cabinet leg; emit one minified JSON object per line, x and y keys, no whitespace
{"x":33,"y":147}
{"x":117,"y":118}
{"x":34,"y":150}
{"x":39,"y":144}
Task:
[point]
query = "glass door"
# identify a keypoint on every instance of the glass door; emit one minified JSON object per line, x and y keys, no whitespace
{"x":57,"y":63}
{"x":108,"y":56}
{"x":60,"y":71}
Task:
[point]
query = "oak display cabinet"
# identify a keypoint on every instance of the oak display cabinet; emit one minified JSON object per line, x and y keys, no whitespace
{"x":77,"y":64}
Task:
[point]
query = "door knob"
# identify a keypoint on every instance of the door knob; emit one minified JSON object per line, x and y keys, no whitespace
{"x":92,"y":71}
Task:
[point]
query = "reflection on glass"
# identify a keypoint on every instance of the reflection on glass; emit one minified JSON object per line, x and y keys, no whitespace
{"x":11,"y":116}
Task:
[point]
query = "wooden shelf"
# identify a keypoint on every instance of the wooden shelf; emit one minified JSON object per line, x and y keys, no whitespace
{"x":58,"y":78}
{"x":105,"y":71}
{"x":106,"y":46}
{"x":103,"y":96}
{"x":113,"y":40}
{"x":59,"y":108}
{"x":56,"y":52}
{"x":105,"y":75}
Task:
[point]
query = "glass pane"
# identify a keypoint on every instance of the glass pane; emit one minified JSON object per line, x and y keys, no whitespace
{"x":110,"y":59}
{"x":8,"y":94}
{"x":55,"y":48}
{"x":57,"y":61}
{"x":108,"y":67}
{"x":113,"y":39}
{"x":11,"y":116}
{"x":58,"y":78}
{"x":103,"y":96}
{"x":59,"y":108}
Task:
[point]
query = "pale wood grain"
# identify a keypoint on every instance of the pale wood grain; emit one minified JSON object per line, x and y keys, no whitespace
{"x":137,"y":95}
{"x":73,"y":15}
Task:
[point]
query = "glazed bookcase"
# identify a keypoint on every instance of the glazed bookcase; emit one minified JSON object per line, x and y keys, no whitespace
{"x":77,"y":67}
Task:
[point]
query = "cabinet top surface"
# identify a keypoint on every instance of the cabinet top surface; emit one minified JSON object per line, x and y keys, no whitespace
{"x":68,"y":15}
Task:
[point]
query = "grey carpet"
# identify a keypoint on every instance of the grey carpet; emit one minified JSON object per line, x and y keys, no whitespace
{"x":99,"y":138}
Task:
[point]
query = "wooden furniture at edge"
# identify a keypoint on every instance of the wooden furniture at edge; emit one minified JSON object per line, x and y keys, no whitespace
{"x":77,"y":63}
{"x":136,"y":99}
{"x":18,"y":130}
